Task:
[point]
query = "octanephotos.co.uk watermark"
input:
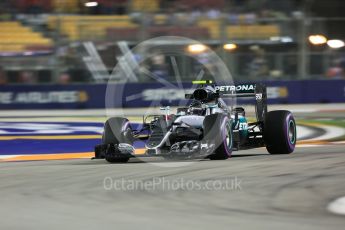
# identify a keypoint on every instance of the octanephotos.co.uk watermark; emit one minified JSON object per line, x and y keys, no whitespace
{"x":169,"y":184}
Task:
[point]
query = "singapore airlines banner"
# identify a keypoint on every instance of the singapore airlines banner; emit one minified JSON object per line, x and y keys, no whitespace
{"x":51,"y":96}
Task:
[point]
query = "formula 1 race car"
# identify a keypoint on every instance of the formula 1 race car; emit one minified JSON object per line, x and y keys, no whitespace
{"x":207,"y":128}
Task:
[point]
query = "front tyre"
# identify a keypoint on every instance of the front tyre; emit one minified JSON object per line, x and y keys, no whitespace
{"x":280,"y":132}
{"x":218,"y":130}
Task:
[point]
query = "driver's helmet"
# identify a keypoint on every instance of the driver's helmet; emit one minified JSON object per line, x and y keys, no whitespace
{"x":196,"y":108}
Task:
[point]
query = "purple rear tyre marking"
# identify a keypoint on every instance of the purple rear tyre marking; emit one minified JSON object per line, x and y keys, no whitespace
{"x":287,"y":129}
{"x":226,"y":148}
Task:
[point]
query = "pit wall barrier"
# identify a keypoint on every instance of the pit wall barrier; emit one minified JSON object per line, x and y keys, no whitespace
{"x":93,"y":96}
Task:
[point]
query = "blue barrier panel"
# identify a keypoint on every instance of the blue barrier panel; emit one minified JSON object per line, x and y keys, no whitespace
{"x":279,"y":92}
{"x":87,"y":96}
{"x":323,"y":91}
{"x":155,"y":94}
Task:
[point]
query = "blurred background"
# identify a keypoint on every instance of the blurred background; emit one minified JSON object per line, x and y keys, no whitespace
{"x":57,"y":76}
{"x":59,"y":43}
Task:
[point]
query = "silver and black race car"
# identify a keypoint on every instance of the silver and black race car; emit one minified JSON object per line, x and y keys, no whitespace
{"x":207,"y":128}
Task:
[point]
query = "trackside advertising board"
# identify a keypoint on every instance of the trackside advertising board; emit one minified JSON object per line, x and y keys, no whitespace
{"x":88,"y":96}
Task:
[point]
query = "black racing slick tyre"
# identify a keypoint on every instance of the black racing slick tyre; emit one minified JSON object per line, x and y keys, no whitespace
{"x":280,"y":132}
{"x":218,"y":130}
{"x":117,"y":130}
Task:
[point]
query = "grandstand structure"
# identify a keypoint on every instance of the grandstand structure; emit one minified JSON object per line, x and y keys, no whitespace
{"x":66,"y":19}
{"x":15,"y":37}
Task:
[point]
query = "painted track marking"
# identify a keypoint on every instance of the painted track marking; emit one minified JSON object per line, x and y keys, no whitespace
{"x":331,"y":132}
{"x":337,"y":206}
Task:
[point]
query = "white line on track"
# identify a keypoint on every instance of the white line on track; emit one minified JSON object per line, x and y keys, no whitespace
{"x":304,"y":132}
{"x":8,"y":156}
{"x":308,"y":145}
{"x":337,"y":206}
{"x":331,"y":132}
{"x":339,"y":142}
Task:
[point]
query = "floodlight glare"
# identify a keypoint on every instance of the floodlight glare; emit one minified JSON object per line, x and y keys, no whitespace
{"x":197,"y":48}
{"x":317,"y":39}
{"x":91,"y":4}
{"x":335,"y":44}
{"x":230,"y":46}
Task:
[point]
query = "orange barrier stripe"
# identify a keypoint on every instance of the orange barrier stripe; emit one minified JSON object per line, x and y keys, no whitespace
{"x":60,"y":137}
{"x":65,"y":156}
{"x":316,"y":142}
{"x":41,"y":157}
{"x":62,"y":156}
{"x":140,"y":151}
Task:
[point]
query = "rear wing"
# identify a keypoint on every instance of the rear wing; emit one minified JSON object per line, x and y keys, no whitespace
{"x":257,"y":91}
{"x":242,"y":90}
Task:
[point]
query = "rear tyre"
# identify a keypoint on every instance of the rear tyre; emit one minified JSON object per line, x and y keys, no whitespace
{"x":117,"y":130}
{"x":280,"y":132}
{"x":218,"y":130}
